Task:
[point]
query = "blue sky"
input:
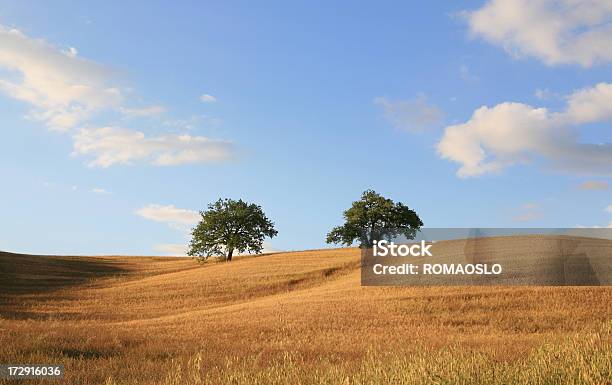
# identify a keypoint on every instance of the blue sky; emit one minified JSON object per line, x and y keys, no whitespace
{"x":120,"y":120}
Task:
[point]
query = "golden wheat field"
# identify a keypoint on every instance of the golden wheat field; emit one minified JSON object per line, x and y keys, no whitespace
{"x":290,"y":318}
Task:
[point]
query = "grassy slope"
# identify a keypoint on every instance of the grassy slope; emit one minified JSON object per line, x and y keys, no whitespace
{"x":139,"y":320}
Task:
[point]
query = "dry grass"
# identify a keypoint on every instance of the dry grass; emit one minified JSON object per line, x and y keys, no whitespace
{"x":299,"y":317}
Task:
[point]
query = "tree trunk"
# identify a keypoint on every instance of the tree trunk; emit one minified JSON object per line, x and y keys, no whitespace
{"x":229,"y":255}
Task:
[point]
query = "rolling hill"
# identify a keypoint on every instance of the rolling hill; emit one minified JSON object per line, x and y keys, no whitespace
{"x":289,"y":317}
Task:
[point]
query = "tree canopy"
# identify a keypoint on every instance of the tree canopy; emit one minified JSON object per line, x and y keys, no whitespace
{"x":375,"y":217}
{"x":228,"y":226}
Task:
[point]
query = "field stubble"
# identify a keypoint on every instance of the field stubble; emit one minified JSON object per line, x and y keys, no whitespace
{"x":298,"y":317}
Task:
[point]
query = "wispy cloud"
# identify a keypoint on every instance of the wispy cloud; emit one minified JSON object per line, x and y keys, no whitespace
{"x":193,"y":122}
{"x":134,"y":112}
{"x":546,"y":94}
{"x":415,"y":115}
{"x":207,"y":98}
{"x":66,"y":91}
{"x":115,"y":145}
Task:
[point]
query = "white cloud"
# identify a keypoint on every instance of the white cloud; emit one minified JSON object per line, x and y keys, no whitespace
{"x":415,"y":115}
{"x":553,"y":31}
{"x":98,"y":190}
{"x":609,"y":209}
{"x":62,"y":89}
{"x":511,"y":133}
{"x":114,"y":145}
{"x":172,"y":249}
{"x":173,"y":216}
{"x":66,"y":91}
{"x":594,"y":185}
{"x":206,"y":98}
{"x":182,"y":220}
{"x":590,"y":104}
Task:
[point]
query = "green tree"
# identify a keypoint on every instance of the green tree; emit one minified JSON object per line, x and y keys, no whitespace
{"x":375,"y":217}
{"x":228,"y":226}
